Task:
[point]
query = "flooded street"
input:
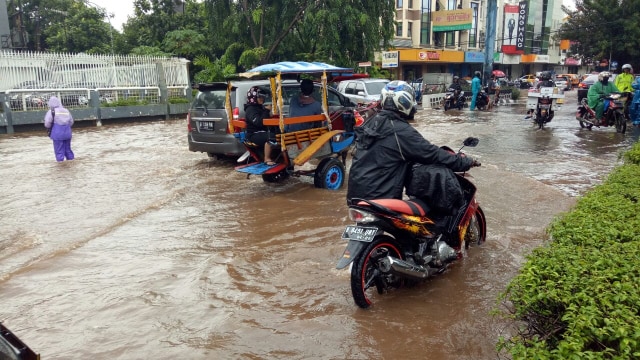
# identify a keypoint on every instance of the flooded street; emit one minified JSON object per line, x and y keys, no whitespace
{"x":140,"y":249}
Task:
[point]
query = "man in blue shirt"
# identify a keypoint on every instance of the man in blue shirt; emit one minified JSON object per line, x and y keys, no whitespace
{"x":304,"y":105}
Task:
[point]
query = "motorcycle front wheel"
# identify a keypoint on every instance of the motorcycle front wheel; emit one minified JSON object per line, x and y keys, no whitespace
{"x":620,"y":122}
{"x":367,"y":281}
{"x":584,"y":124}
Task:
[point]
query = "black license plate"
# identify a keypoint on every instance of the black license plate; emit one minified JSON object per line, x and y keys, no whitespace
{"x":206,"y":125}
{"x":359,"y":233}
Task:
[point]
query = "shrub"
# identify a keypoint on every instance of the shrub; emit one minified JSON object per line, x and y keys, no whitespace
{"x":515,"y":93}
{"x":577,"y":296}
{"x":125,"y":102}
{"x":178,"y":100}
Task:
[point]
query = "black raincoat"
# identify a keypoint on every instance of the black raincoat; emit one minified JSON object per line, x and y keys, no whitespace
{"x":386,"y":148}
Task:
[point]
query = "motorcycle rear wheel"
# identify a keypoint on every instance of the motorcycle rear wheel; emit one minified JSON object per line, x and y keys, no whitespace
{"x":366,"y":280}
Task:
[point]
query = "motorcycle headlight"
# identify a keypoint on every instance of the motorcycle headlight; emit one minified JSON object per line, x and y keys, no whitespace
{"x":361,"y":216}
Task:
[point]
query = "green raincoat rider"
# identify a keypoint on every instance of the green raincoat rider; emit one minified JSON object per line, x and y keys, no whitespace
{"x":601,"y":88}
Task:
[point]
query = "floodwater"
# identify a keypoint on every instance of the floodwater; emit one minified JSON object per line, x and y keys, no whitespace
{"x":140,"y":249}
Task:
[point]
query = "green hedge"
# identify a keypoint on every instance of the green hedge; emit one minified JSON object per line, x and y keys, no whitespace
{"x":578,"y":297}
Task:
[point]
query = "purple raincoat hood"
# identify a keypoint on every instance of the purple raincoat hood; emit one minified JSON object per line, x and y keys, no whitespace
{"x":54,"y":102}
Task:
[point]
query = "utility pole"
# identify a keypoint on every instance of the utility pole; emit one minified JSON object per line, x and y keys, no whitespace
{"x":490,"y":38}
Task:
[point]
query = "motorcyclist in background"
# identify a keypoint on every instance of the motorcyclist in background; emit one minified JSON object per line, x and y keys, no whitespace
{"x":597,"y":92}
{"x":545,"y":81}
{"x":623,"y":83}
{"x":455,"y":85}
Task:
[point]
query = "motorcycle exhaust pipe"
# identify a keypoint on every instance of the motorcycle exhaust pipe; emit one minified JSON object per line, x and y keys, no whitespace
{"x":402,"y":268}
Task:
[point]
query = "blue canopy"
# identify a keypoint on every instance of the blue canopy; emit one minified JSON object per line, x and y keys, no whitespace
{"x":298,"y":67}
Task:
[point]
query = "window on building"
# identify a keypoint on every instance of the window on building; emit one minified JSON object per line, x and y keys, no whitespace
{"x":410,"y":4}
{"x":473,"y":32}
{"x":425,"y":23}
{"x":399,"y":28}
{"x":409,"y":27}
{"x":398,"y":3}
{"x":450,"y":38}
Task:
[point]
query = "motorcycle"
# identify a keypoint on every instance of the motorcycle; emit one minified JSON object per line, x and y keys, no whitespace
{"x":454,"y":99}
{"x":542,"y":103}
{"x":482,"y":101}
{"x":613,"y":114}
{"x":397,"y":242}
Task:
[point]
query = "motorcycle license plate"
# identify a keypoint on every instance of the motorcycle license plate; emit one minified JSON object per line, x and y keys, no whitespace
{"x":359,"y":233}
{"x":544,"y":106}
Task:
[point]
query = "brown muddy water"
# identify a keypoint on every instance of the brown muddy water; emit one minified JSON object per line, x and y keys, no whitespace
{"x":140,"y":249}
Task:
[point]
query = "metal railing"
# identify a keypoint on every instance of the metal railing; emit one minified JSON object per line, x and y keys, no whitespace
{"x":35,"y":70}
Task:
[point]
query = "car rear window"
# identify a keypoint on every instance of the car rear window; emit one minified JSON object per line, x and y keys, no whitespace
{"x":374,"y":88}
{"x":210,"y":99}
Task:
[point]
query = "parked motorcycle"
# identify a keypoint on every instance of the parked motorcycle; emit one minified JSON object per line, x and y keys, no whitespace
{"x":613,"y":114}
{"x":542,"y":103}
{"x":454,"y":99}
{"x":396,"y":242}
{"x":482,"y":101}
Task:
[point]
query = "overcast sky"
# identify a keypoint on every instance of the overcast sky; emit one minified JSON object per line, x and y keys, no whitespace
{"x":121,"y":9}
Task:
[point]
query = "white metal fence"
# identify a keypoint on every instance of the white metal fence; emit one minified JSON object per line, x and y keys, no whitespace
{"x":31,"y":78}
{"x":33,"y":70}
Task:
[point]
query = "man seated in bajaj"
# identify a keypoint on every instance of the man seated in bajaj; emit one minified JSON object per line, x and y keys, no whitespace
{"x":303,"y":105}
{"x":597,"y":92}
{"x":387,"y":146}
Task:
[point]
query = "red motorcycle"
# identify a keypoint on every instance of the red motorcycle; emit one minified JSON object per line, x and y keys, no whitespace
{"x":613,"y":114}
{"x":396,"y":242}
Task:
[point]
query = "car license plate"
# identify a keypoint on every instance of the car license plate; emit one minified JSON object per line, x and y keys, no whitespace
{"x":205,"y":125}
{"x":359,"y":233}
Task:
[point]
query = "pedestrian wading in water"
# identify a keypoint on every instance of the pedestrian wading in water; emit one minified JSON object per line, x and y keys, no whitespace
{"x":60,"y":121}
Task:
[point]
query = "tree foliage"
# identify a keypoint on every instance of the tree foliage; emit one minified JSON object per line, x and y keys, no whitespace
{"x":237,"y":34}
{"x":603,"y":29}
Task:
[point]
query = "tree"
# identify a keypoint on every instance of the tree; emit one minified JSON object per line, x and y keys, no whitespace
{"x":186,"y":43}
{"x":613,"y":28}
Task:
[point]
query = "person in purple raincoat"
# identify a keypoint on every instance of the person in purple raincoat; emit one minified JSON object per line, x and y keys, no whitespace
{"x":59,"y":119}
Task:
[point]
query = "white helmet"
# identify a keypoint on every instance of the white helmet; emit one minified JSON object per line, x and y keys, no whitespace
{"x":627,"y":66}
{"x":398,"y":96}
{"x":604,"y":74}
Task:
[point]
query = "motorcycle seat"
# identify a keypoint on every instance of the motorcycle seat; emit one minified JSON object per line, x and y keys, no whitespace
{"x":401,"y":206}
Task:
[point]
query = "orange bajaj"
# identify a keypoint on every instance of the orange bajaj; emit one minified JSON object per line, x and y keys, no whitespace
{"x":324,"y":144}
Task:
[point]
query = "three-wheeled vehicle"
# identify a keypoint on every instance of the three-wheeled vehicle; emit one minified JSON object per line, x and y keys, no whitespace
{"x":321,"y":150}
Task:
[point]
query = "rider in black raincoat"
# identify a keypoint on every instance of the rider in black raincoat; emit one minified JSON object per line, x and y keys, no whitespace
{"x":387,"y":146}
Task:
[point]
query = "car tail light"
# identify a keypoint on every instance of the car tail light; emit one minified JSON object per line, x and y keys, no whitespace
{"x":189,"y":127}
{"x":236,"y":113}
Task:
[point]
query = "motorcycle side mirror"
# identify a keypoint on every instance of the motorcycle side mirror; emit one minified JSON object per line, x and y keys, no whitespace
{"x":471,"y":141}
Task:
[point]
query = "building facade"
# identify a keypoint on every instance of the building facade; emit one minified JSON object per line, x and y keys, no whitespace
{"x":448,"y":36}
